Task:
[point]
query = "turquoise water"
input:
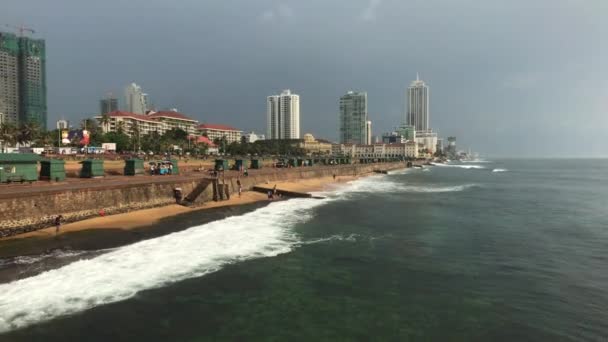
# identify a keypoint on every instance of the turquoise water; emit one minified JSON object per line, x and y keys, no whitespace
{"x":452,"y":253}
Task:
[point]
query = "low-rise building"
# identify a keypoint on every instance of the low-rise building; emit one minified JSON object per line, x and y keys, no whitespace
{"x":127,"y":122}
{"x":314,"y":146}
{"x":174,"y":120}
{"x":427,"y":141}
{"x":213,"y":131}
{"x":408,"y":149}
{"x":160,"y":122}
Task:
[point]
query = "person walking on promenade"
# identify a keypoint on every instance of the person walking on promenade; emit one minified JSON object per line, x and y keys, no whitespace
{"x":238,"y":184}
{"x":58,"y":223}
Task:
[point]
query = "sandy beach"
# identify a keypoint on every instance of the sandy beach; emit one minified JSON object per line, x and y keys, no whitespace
{"x":148,"y":217}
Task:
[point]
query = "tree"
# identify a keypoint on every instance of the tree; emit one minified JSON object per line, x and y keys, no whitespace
{"x":88,"y":124}
{"x":46,"y":138}
{"x":135,"y":136}
{"x":121,"y":139}
{"x":120,"y":127}
{"x":8,"y":135}
{"x":105,"y":121}
{"x":28,"y":132}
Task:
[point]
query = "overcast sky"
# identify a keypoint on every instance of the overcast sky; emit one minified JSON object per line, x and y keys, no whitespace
{"x":507,"y":77}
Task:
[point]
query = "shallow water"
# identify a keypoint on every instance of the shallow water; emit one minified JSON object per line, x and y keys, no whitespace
{"x":454,"y":253}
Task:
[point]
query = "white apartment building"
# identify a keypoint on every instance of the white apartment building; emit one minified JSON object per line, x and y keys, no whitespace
{"x":427,"y":140}
{"x":155,"y":122}
{"x":283,"y":116}
{"x":218,"y":131}
{"x":136,"y":100}
{"x":175,"y":120}
{"x":399,"y":150}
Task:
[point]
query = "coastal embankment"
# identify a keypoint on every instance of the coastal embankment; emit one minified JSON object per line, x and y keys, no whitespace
{"x":32,"y":209}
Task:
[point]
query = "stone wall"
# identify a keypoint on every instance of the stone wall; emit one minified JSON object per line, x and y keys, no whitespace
{"x":36,"y":211}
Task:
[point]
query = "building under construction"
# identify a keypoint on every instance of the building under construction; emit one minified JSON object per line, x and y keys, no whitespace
{"x":22,"y":79}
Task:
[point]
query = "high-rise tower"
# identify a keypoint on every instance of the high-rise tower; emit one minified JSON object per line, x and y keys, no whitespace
{"x":283,"y":116}
{"x":23,"y":79}
{"x":353,"y":118}
{"x":135,"y":99}
{"x":417,"y":112}
{"x":108,"y":105}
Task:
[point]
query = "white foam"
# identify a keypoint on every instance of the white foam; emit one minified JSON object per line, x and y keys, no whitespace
{"x":500,"y":170}
{"x":56,"y":254}
{"x":461,"y":166}
{"x":125,"y":271}
{"x":383,"y":184}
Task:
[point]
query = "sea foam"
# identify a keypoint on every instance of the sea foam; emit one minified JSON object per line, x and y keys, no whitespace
{"x":123,"y":272}
{"x":460,"y":166}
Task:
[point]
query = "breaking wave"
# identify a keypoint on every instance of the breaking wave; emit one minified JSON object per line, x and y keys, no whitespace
{"x":500,"y":170}
{"x":119,"y":274}
{"x":122,"y":273}
{"x":460,"y":166}
{"x":373,"y":184}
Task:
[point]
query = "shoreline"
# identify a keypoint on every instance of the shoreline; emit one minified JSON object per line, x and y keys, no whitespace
{"x":129,"y":227}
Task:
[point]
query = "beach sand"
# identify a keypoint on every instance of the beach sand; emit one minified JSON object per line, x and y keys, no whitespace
{"x":149,"y":217}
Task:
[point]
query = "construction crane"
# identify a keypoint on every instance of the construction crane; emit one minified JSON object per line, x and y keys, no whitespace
{"x":21,"y":28}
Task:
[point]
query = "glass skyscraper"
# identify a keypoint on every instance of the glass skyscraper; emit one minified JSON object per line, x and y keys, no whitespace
{"x":353,"y":119}
{"x":417,"y":113}
{"x":23,"y":79}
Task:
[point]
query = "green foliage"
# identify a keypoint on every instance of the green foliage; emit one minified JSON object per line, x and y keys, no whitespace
{"x":266,"y":147}
{"x":121,"y":139}
{"x":8,"y":135}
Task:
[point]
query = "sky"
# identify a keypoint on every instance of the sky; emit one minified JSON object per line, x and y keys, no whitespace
{"x":507,"y":77}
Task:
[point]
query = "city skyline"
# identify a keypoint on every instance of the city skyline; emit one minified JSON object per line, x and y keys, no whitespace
{"x":499,"y":81}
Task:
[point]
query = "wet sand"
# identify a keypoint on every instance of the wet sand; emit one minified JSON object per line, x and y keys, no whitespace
{"x":116,"y":230}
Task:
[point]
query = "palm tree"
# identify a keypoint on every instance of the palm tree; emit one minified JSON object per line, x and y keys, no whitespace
{"x":120,"y":127}
{"x":105,"y":121}
{"x":28,"y":132}
{"x":8,"y":135}
{"x":135,"y":135}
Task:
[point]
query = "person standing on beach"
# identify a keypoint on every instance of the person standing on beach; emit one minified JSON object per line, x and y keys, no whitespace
{"x":238,"y":184}
{"x":58,"y":223}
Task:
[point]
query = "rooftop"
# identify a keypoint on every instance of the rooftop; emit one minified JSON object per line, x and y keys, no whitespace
{"x":171,"y":114}
{"x":141,"y":117}
{"x":218,"y":127}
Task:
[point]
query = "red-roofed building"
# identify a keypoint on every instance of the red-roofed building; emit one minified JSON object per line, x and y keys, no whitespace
{"x":127,"y":121}
{"x":218,"y":131}
{"x":154,"y":121}
{"x":175,"y":120}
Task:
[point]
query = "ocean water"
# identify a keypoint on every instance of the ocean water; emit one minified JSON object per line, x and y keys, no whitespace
{"x":512,"y":250}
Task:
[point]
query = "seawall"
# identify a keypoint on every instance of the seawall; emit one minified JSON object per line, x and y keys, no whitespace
{"x":33,"y":210}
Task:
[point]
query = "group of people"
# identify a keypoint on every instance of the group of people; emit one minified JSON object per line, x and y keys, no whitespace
{"x":161,"y":169}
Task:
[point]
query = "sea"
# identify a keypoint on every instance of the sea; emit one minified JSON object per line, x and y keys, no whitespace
{"x":489,"y":250}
